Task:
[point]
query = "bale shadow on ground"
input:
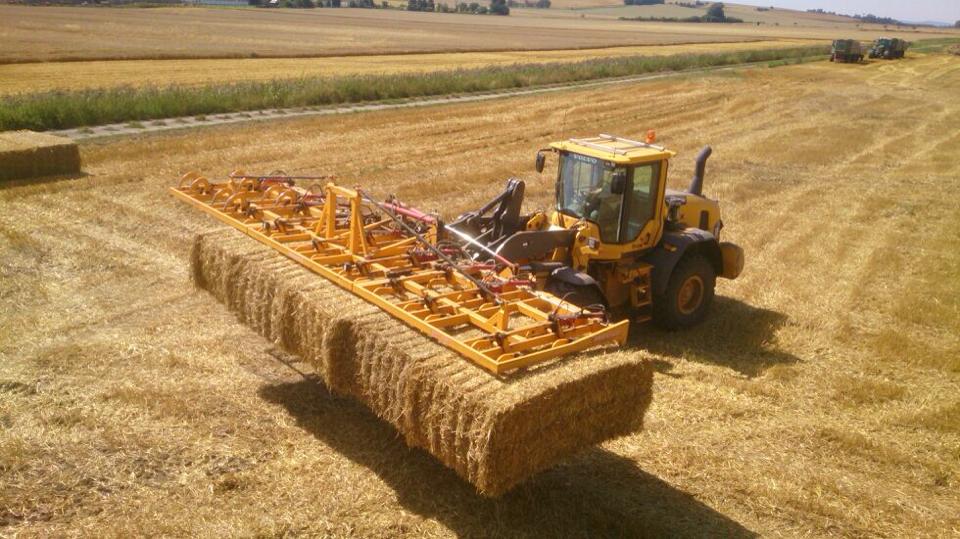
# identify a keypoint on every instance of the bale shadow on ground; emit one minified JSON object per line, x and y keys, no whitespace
{"x":597,"y":493}
{"x":735,"y":335}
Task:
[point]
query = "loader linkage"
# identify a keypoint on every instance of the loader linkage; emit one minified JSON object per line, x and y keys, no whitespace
{"x":397,"y":258}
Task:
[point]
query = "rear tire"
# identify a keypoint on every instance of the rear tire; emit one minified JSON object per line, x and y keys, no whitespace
{"x":688,"y":296}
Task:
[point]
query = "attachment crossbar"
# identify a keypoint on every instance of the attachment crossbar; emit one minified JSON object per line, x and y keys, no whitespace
{"x":487,"y":314}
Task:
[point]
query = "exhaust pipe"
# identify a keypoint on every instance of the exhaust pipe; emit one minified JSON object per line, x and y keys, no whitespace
{"x":696,"y":184}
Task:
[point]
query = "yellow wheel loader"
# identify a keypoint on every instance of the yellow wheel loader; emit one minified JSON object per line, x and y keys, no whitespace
{"x":506,"y":291}
{"x":617,"y":238}
{"x":502,"y":289}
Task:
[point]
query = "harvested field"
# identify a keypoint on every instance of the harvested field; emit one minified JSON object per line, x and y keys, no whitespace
{"x":45,"y":76}
{"x":819,"y":399}
{"x":40,"y":34}
{"x":494,"y":432}
{"x":25,"y":154}
{"x":77,"y":33}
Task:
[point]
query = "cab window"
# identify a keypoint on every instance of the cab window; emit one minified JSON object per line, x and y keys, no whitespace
{"x":641,"y":199}
{"x":586,"y":191}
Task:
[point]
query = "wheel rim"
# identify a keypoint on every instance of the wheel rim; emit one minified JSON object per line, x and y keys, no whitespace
{"x":690,"y":295}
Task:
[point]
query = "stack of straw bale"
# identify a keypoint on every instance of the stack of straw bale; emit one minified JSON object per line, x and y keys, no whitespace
{"x":493,"y":431}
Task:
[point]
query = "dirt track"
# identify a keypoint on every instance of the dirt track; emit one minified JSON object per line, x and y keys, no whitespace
{"x":190,"y":122}
{"x":820,"y":398}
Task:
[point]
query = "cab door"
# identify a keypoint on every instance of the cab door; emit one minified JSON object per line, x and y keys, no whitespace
{"x":642,"y":223}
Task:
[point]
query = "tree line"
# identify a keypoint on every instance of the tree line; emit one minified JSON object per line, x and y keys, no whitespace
{"x":539,"y":4}
{"x":496,"y":7}
{"x":714,"y":13}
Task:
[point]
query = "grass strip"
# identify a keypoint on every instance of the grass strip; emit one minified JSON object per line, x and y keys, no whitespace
{"x":933,"y":45}
{"x":68,"y":109}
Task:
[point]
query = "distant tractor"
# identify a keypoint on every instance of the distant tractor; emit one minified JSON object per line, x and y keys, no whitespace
{"x":888,"y":48}
{"x":846,"y":50}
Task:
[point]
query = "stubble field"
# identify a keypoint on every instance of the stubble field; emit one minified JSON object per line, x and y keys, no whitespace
{"x":43,"y":34}
{"x":820,"y":398}
{"x":77,"y":33}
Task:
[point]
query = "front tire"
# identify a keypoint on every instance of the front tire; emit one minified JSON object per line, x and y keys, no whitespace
{"x":688,"y":295}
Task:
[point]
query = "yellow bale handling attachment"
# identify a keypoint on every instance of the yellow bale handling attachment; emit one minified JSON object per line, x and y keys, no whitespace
{"x":402,"y":260}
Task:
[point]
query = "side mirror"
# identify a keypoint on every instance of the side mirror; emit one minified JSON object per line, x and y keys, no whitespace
{"x":541,"y":161}
{"x":619,"y":184}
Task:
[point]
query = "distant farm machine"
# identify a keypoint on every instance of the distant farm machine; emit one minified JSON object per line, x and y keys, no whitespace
{"x":846,"y":51}
{"x":888,"y":48}
{"x":502,"y":289}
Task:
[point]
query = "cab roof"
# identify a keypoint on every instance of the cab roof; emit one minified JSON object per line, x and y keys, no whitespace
{"x":614,"y":149}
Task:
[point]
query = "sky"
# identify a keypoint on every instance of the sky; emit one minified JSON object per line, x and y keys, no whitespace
{"x":915,"y":10}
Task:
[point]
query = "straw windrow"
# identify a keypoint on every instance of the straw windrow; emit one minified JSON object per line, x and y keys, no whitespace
{"x":493,"y":431}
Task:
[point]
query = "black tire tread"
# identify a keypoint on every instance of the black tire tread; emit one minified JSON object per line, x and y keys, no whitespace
{"x":665,"y":311}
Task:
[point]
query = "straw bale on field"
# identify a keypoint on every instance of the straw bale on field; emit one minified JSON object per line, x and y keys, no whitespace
{"x":493,"y":431}
{"x":26,"y":154}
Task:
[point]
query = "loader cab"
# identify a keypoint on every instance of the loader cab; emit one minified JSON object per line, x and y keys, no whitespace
{"x":629,"y":241}
{"x":615,"y":187}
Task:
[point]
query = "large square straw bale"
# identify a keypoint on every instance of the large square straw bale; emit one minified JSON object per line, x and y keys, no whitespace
{"x":26,"y":154}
